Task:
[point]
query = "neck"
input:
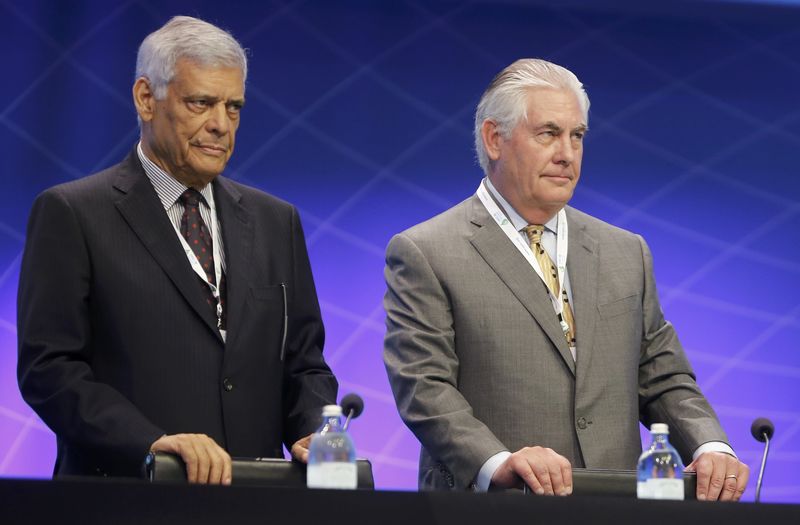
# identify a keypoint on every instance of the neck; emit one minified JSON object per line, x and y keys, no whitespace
{"x":538,"y":215}
{"x":187,"y":179}
{"x":531,"y":215}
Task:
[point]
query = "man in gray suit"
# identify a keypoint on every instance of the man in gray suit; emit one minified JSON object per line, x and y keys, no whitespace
{"x":525,"y":337}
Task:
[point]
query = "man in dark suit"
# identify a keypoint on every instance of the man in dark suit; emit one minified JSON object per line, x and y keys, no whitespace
{"x":513,"y":363}
{"x":162,"y":306}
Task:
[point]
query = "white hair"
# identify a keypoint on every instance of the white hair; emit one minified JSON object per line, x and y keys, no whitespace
{"x":505,"y":100}
{"x":189,"y":38}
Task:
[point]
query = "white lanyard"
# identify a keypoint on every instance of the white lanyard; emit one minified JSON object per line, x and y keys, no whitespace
{"x":562,"y":234}
{"x":198,"y":269}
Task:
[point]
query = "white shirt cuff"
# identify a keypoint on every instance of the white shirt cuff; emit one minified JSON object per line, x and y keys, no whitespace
{"x":713,"y":446}
{"x":488,"y":469}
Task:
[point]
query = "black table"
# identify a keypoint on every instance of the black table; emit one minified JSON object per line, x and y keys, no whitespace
{"x":93,"y":501}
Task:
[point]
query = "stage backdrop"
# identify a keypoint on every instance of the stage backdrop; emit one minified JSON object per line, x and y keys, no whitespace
{"x":360,"y":113}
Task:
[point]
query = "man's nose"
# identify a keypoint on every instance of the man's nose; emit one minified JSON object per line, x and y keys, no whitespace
{"x":565,"y":153}
{"x":218,"y":121}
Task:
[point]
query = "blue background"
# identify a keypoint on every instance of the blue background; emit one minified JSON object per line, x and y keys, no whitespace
{"x":360,"y":112}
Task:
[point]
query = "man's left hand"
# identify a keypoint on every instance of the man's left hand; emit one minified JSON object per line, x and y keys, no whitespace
{"x":720,"y":476}
{"x":300,"y":449}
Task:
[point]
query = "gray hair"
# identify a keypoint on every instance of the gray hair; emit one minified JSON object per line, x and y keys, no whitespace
{"x":505,"y":100}
{"x":189,"y":38}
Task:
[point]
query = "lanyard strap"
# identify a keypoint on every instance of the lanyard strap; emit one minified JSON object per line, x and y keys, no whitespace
{"x":562,"y":234}
{"x":198,"y":269}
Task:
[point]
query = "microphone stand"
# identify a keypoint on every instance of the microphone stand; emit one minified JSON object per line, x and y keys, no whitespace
{"x":350,"y":416}
{"x":763,"y":466}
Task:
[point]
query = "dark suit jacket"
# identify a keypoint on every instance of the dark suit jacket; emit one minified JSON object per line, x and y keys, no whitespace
{"x":117,"y":345}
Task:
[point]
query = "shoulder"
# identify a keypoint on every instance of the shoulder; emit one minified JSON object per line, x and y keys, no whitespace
{"x":88,"y":192}
{"x":598,"y":228}
{"x":451,"y":224}
{"x":614,"y":242}
{"x":255,"y":198}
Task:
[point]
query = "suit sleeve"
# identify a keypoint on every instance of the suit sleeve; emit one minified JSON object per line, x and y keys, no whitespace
{"x":422,"y":363}
{"x":668,"y":391}
{"x":309,"y":383}
{"x":55,"y":343}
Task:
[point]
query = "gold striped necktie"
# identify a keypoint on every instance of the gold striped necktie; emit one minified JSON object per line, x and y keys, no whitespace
{"x":534,"y":233}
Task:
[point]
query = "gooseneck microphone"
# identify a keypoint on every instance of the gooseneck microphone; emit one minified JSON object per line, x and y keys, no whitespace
{"x":352,"y":405}
{"x":762,"y":429}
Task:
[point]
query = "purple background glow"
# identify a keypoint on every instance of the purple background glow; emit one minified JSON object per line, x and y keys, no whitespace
{"x":360,"y":112}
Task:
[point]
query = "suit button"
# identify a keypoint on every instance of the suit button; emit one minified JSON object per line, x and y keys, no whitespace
{"x":227,"y":385}
{"x":582,"y":423}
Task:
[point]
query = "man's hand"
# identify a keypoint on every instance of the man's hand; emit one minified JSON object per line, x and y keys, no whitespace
{"x":720,"y":476}
{"x":206,"y":462}
{"x":300,"y":449}
{"x":544,"y":471}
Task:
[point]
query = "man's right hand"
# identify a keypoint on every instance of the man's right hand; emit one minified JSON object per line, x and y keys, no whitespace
{"x":542,"y":469}
{"x":206,"y":462}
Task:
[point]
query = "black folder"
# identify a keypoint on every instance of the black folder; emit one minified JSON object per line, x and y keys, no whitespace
{"x":265,"y":472}
{"x":598,"y":482}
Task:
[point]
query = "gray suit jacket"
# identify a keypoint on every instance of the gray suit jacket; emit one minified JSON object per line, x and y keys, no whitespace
{"x":478,"y":363}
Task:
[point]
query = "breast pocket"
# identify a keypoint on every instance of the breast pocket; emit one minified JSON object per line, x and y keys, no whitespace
{"x":619,"y":307}
{"x":267,"y":310}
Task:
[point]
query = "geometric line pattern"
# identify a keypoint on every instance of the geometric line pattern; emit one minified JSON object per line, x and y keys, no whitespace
{"x":692,"y":144}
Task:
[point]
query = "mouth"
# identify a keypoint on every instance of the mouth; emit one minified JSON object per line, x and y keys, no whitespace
{"x":214,"y":150}
{"x":562,"y":178}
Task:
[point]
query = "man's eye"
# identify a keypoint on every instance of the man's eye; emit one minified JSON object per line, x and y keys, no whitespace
{"x":198,"y":104}
{"x":578,"y":135}
{"x":234,"y":108}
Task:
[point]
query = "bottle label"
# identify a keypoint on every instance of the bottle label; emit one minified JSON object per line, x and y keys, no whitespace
{"x":660,"y":489}
{"x":332,"y":475}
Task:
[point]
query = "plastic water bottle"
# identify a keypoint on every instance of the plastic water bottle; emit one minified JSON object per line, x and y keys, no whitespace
{"x":660,"y":471}
{"x":332,"y":455}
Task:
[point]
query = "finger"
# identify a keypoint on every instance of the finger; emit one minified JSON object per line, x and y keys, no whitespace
{"x":203,"y":458}
{"x":717,"y":480}
{"x":227,"y":469}
{"x":557,"y":480}
{"x":744,"y":476}
{"x":217,"y":464}
{"x":731,"y":479}
{"x":299,"y":453}
{"x":703,"y":469}
{"x":542,"y":474}
{"x":566,"y":475}
{"x":530,"y":479}
{"x":522,"y":468}
{"x":189,"y":456}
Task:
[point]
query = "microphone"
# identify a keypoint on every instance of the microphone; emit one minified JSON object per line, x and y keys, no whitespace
{"x":352,"y":406}
{"x":762,"y":429}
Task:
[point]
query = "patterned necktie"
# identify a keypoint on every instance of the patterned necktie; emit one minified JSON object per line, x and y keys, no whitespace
{"x":197,"y":235}
{"x":534,"y":232}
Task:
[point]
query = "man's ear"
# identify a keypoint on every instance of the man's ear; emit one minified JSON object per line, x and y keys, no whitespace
{"x":144,"y":99}
{"x":492,"y":139}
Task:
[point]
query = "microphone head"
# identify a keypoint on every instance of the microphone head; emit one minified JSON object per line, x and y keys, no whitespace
{"x":760,"y":427}
{"x":352,"y":403}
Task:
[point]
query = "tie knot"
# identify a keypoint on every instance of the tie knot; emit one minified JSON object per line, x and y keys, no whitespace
{"x":190,"y":197}
{"x":534,"y":233}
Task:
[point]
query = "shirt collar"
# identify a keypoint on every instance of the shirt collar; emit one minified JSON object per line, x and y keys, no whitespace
{"x":515,"y":218}
{"x":167,"y":187}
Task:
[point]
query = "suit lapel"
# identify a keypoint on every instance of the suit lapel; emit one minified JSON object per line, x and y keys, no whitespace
{"x":582,"y":266}
{"x":512,"y":268}
{"x":142,"y":210}
{"x":237,"y":235}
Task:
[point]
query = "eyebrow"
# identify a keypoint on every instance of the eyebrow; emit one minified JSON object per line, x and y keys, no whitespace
{"x":212,"y":99}
{"x":552,"y":126}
